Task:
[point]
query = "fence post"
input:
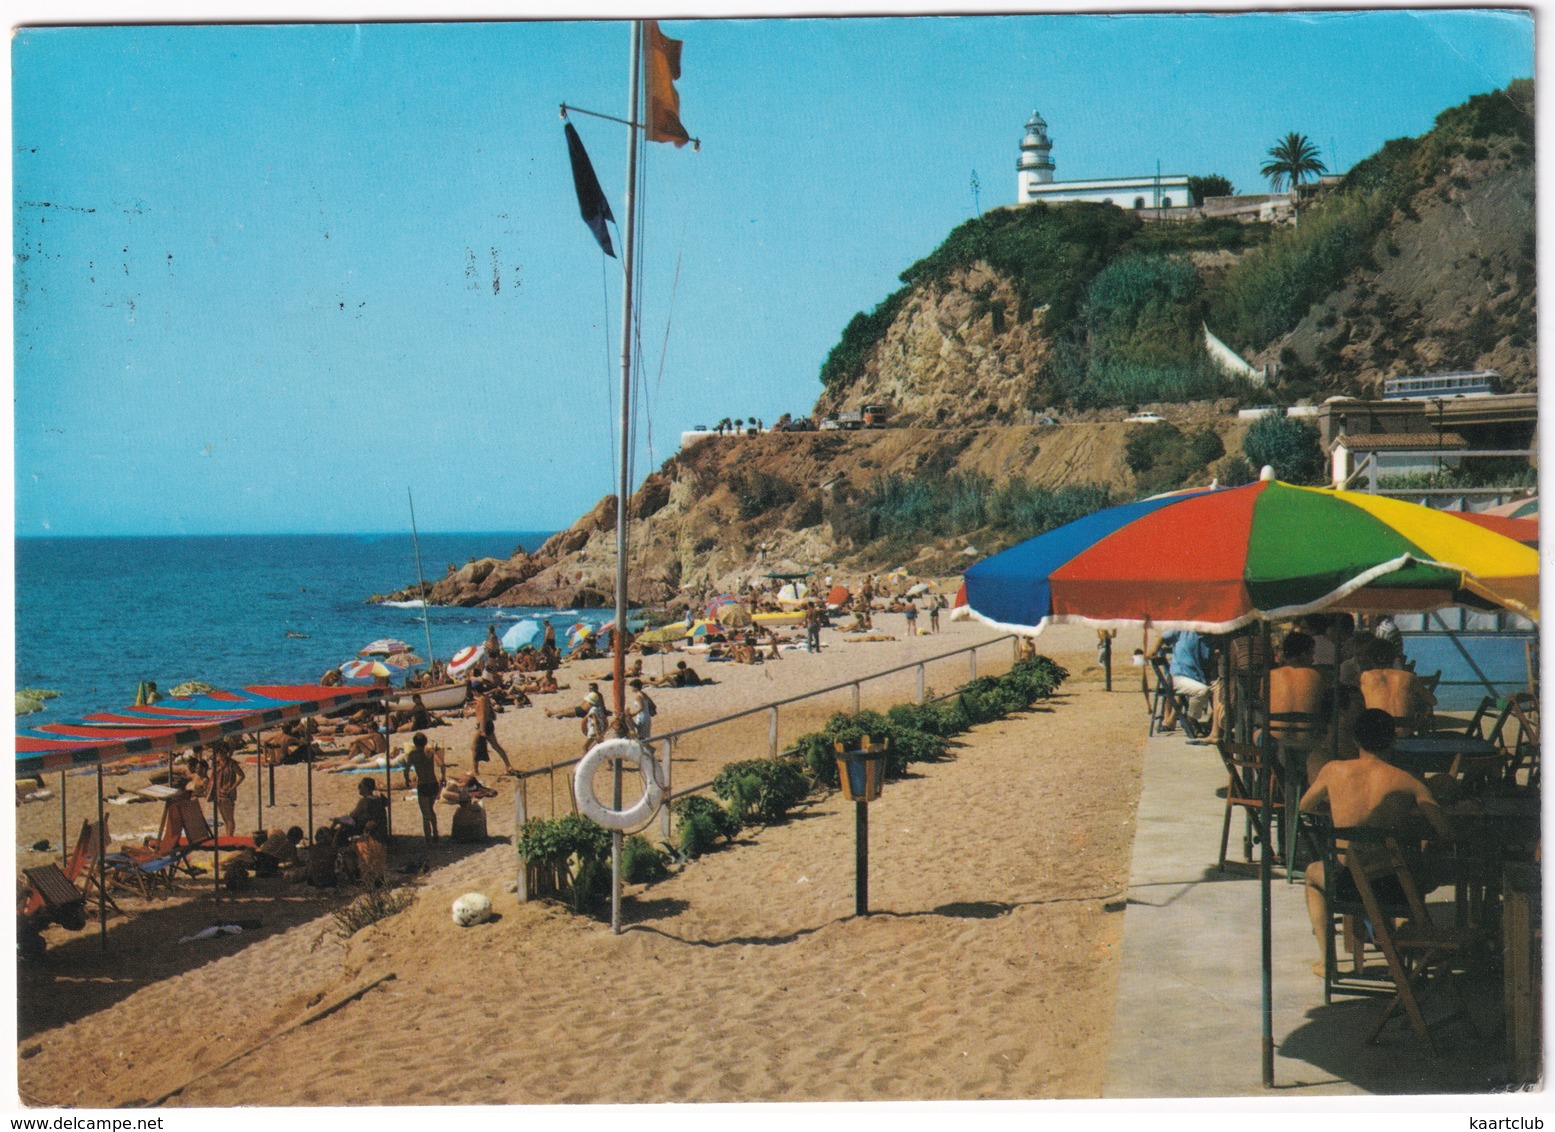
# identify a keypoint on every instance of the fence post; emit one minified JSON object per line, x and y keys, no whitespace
{"x":972,"y":662}
{"x":855,"y":697}
{"x":520,"y":815}
{"x":772,"y":732}
{"x":920,"y":683}
{"x":666,"y":759}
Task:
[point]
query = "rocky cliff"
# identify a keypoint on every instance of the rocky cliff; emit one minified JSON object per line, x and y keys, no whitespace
{"x":1422,"y":259}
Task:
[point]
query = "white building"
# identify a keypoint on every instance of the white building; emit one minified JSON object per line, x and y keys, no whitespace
{"x":1034,"y":180}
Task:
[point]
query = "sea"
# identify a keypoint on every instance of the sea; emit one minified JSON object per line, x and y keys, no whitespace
{"x":95,"y":616}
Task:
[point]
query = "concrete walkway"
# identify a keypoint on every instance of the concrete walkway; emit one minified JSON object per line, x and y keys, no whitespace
{"x":1188,"y":1020}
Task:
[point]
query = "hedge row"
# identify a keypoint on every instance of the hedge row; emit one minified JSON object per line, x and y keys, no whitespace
{"x":762,"y":791}
{"x":916,"y":733}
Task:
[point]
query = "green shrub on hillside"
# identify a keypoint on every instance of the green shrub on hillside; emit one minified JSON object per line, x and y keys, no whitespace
{"x":757,"y":492}
{"x":1163,"y":457}
{"x":1291,"y":447}
{"x":904,"y":511}
{"x":1049,"y":254}
{"x":1273,"y":287}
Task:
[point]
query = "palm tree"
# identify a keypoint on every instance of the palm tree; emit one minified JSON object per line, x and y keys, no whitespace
{"x":1295,"y":159}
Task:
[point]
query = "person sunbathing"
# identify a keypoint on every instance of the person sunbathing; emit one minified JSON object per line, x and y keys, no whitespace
{"x":683,"y":676}
{"x":418,"y":718}
{"x":365,"y":760}
{"x":468,"y":789}
{"x":580,"y":710}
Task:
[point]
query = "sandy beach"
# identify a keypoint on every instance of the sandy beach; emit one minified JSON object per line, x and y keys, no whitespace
{"x":986,"y":970}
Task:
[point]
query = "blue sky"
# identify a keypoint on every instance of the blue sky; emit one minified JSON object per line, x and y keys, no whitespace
{"x":268,"y":277}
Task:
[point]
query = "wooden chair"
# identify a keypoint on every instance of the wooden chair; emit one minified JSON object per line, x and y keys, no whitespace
{"x":1245,"y":765}
{"x":96,"y":868}
{"x":1296,"y":735}
{"x":1346,"y":920}
{"x":1420,"y":954}
{"x":1166,"y":696}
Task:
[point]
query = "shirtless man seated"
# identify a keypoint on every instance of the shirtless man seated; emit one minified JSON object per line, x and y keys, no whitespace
{"x":1296,"y":686}
{"x":1364,"y":791}
{"x":1388,"y":686}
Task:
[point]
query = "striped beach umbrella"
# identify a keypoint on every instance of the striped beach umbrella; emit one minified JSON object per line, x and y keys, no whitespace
{"x":369,"y":669}
{"x":465,"y":659}
{"x":1218,"y":559}
{"x":384,"y":646}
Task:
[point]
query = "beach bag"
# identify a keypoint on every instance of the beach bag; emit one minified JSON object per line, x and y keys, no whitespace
{"x":469,"y":824}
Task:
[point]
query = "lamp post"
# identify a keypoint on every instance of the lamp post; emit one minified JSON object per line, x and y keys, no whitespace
{"x":862,"y":774}
{"x":1440,"y":415}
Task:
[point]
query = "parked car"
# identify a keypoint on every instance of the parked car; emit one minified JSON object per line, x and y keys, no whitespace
{"x":798,"y":424}
{"x":830,"y":425}
{"x":1047,"y":420}
{"x":1144,"y":418}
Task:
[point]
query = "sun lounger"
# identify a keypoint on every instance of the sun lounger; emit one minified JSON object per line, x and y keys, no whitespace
{"x":53,"y":890}
{"x":198,"y":834}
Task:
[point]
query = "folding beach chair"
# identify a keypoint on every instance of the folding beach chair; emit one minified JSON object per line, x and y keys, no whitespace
{"x":1245,"y":764}
{"x":198,"y":834}
{"x":1166,"y":694}
{"x":90,"y":845}
{"x":157,"y":862}
{"x":1420,"y":954}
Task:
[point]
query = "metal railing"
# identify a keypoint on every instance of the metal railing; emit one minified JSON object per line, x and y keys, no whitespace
{"x":665,"y":744}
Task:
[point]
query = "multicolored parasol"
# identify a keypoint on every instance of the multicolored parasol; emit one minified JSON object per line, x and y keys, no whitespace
{"x":1218,"y":559}
{"x":385,"y":646}
{"x":465,"y":659}
{"x":370,"y":669}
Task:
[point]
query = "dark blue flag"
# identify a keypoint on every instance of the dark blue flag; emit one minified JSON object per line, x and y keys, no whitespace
{"x":591,"y":198}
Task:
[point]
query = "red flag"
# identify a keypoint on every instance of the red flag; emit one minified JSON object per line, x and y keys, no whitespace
{"x":663,"y":100}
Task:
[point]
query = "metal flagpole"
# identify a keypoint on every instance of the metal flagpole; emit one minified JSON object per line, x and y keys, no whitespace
{"x":623,"y":487}
{"x":421,"y":579}
{"x":1265,"y":869}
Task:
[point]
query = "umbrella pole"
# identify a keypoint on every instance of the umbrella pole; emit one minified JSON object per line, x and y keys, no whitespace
{"x":1265,"y":877}
{"x":102,"y":865}
{"x":259,"y":783}
{"x":388,"y":778}
{"x":310,"y":798}
{"x":64,"y":823}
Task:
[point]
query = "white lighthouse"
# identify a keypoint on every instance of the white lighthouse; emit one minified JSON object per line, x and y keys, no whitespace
{"x":1035,"y":166}
{"x":1150,"y":195}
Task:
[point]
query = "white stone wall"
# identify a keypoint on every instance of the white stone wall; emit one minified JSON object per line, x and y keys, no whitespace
{"x":1122,"y":192}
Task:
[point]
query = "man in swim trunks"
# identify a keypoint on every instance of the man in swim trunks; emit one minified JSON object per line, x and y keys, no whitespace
{"x":1364,"y":791}
{"x":486,"y":726}
{"x":427,"y":784}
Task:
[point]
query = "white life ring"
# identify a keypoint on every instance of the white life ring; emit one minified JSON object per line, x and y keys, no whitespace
{"x":627,"y":751}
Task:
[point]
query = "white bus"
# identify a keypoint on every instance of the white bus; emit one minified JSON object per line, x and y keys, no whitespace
{"x":1478,"y":383}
